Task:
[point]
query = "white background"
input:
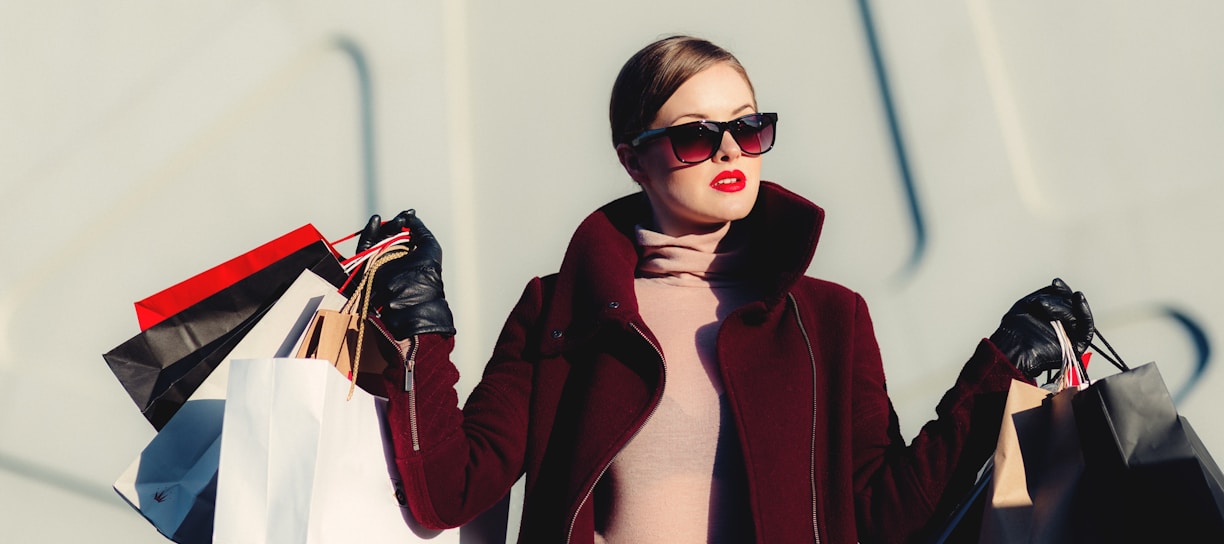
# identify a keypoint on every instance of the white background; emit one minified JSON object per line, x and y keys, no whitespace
{"x":144,"y":141}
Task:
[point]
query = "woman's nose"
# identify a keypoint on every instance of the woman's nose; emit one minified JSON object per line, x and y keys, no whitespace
{"x":729,"y":149}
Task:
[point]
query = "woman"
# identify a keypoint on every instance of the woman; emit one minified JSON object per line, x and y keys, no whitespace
{"x":680,"y":379}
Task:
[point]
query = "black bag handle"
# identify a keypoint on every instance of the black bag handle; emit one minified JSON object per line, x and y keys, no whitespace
{"x":1116,"y":360}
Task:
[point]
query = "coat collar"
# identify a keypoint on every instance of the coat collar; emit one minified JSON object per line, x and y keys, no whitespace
{"x":595,"y":282}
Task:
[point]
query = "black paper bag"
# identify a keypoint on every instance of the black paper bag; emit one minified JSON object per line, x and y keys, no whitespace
{"x":1147,"y":476}
{"x":162,"y":366}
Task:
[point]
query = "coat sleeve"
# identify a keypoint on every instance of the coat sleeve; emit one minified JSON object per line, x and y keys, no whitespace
{"x":457,"y":463}
{"x":904,"y":491}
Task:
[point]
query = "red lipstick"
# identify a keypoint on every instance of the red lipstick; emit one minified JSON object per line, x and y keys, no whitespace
{"x":729,"y":181}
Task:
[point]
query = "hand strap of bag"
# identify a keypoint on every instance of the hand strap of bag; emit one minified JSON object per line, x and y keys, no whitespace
{"x":1073,"y":371}
{"x":1073,"y":374}
{"x":359,"y":303}
{"x":1116,"y":360}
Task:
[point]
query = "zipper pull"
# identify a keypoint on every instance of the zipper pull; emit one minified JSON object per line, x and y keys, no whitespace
{"x":409,"y":365}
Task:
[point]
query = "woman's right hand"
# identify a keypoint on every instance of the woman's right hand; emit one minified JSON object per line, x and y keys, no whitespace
{"x":1028,"y":340}
{"x":408,"y":290}
{"x":376,"y":231}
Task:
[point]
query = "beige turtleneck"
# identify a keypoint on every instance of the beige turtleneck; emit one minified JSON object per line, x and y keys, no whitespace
{"x":681,"y":478}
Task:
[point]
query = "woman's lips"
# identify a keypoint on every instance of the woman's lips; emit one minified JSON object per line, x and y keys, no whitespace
{"x":729,"y":181}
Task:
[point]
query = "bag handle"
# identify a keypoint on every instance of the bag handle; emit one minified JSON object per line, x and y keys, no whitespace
{"x":359,"y":303}
{"x":1116,"y":360}
{"x":1073,"y":373}
{"x":352,"y":265}
{"x":1077,"y":373}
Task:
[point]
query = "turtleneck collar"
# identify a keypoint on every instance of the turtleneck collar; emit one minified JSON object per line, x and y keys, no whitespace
{"x":709,"y":259}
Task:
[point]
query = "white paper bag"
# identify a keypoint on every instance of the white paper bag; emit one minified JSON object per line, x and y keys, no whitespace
{"x":301,"y":464}
{"x":172,"y":483}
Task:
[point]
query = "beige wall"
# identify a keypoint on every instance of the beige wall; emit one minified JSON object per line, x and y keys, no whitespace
{"x":144,"y":141}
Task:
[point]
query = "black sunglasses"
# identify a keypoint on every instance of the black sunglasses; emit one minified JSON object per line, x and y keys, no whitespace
{"x":698,"y":141}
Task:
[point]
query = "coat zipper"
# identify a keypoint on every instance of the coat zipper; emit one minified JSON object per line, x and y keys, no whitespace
{"x":812,"y":452}
{"x":410,"y":388}
{"x":409,"y":383}
{"x":591,"y":490}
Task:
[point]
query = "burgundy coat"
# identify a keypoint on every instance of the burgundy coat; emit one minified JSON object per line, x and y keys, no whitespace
{"x":575,"y":373}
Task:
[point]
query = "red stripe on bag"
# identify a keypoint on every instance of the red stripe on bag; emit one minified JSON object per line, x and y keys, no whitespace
{"x":174,"y":299}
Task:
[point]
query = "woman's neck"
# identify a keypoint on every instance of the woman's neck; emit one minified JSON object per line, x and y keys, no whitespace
{"x":678,"y":229}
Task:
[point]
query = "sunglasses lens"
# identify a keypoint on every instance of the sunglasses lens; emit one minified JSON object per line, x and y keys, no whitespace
{"x":694,"y":142}
{"x":754,"y":133}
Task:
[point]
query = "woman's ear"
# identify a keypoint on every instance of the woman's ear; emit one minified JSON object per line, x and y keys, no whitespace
{"x":629,"y":159}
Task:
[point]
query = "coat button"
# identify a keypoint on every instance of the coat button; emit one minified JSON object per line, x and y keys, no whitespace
{"x":614,"y":305}
{"x":556,"y":333}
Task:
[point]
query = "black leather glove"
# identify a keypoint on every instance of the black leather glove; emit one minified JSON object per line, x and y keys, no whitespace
{"x":408,"y":290}
{"x":375,"y":231}
{"x":1026,"y":336}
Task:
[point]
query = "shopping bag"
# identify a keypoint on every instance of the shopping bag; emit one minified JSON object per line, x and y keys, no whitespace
{"x":1037,"y":463}
{"x":172,"y":483}
{"x":161,"y":367}
{"x":176,"y":298}
{"x":1036,"y":469}
{"x":303,"y":463}
{"x":1150,"y":477}
{"x":355,"y":342}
